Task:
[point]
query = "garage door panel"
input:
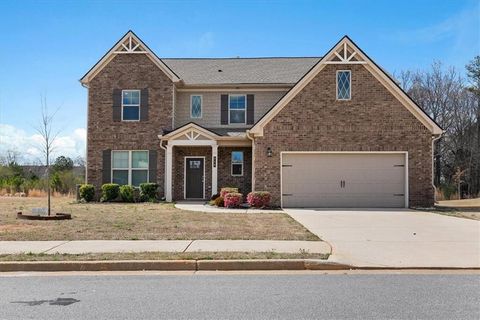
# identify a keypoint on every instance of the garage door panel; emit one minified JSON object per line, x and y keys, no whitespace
{"x":370,"y":180}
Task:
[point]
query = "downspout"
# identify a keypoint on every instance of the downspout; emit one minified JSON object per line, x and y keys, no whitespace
{"x":165,"y":165}
{"x":251,"y":137}
{"x":86,"y":144}
{"x":434,"y":138}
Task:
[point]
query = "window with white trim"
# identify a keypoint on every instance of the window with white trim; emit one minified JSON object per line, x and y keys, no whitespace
{"x":129,"y":167}
{"x":237,"y":106}
{"x":130,"y":105}
{"x":237,"y":163}
{"x":343,"y":85}
{"x":196,"y":106}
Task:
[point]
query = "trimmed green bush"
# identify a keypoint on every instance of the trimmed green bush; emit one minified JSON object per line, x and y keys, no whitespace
{"x":148,"y":191}
{"x":87,"y":192}
{"x":126,"y":193}
{"x":110,"y":192}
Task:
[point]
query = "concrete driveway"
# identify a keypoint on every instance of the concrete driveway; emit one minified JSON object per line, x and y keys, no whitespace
{"x":394,"y":238}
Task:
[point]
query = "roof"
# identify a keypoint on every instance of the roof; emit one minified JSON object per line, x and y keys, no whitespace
{"x":352,"y":54}
{"x":216,"y":71}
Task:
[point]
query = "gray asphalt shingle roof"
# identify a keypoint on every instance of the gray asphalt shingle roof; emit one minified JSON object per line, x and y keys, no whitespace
{"x":240,"y":70}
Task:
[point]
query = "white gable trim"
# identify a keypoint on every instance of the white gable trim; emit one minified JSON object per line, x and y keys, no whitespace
{"x":190,"y":131}
{"x":128,"y":44}
{"x":343,"y":53}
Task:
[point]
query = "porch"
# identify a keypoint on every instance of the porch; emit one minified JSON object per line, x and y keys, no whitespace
{"x":199,"y":162}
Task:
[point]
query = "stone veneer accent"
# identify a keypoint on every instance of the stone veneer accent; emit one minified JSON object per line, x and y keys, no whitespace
{"x":127,"y":71}
{"x":373,"y":120}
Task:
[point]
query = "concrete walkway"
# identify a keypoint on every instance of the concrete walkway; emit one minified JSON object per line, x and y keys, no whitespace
{"x":108,"y":246}
{"x":201,"y":206}
{"x":394,"y":238}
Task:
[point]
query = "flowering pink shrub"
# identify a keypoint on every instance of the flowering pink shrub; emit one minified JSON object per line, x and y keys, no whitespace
{"x":233,"y":200}
{"x":224,"y":191}
{"x":259,"y":199}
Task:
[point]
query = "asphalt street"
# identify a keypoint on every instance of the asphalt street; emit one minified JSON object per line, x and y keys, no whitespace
{"x":241,"y":296}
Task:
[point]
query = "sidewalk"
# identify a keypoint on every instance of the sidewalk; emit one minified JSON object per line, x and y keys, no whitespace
{"x":109,"y":246}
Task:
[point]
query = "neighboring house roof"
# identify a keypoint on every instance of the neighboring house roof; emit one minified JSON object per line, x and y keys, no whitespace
{"x":347,"y":52}
{"x":218,"y":71}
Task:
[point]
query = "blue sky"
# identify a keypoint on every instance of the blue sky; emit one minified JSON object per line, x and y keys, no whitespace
{"x":48,"y":45}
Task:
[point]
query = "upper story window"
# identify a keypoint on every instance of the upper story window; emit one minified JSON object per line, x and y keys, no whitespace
{"x":237,"y":108}
{"x":130,"y":105}
{"x":237,"y":163}
{"x":344,"y":88}
{"x":196,"y":106}
{"x":129,"y":167}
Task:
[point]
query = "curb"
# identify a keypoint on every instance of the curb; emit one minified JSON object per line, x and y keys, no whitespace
{"x":172,"y":265}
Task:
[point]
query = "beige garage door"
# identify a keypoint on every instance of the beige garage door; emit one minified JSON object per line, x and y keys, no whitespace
{"x":345,"y":180}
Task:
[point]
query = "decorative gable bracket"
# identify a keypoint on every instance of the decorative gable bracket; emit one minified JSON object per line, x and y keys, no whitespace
{"x":130,"y":45}
{"x":344,"y":54}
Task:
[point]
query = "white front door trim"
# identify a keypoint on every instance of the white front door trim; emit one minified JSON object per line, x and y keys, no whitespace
{"x":344,"y":152}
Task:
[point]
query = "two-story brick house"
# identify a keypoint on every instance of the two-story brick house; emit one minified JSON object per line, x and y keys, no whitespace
{"x":335,"y":131}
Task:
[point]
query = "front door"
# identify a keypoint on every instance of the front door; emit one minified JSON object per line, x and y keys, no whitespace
{"x":194,"y":178}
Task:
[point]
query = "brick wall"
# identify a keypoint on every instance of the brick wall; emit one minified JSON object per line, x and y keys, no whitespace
{"x":127,"y":71}
{"x":373,"y":120}
{"x":225,"y":178}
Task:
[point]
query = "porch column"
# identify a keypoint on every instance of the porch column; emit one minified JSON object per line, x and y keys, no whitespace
{"x":168,"y":174}
{"x":214,"y":168}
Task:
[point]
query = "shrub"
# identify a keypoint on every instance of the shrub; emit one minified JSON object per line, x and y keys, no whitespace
{"x":148,"y":191}
{"x":126,"y":193}
{"x":448,"y":191}
{"x":87,"y":192}
{"x":233,"y":200}
{"x":259,"y":199}
{"x":110,"y":192}
{"x":215,"y":196}
{"x":225,"y":191}
{"x":218,"y":202}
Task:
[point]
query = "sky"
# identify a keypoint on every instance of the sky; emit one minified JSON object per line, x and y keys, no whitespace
{"x":47,"y":46}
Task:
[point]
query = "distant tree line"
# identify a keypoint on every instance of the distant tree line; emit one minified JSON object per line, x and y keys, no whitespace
{"x":65,"y":174}
{"x":453,"y":102}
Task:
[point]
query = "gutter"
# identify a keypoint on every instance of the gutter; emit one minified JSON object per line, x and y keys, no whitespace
{"x":252,"y":138}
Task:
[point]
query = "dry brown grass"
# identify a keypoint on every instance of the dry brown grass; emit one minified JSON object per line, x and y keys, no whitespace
{"x":142,"y":221}
{"x":162,"y":256}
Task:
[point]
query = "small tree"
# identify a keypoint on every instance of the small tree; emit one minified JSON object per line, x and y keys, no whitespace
{"x":46,"y":146}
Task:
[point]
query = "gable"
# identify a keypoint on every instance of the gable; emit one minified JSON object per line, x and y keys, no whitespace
{"x":346,"y":53}
{"x":129,"y":44}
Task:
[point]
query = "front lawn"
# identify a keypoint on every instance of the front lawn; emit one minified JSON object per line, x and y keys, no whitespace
{"x":142,"y":221}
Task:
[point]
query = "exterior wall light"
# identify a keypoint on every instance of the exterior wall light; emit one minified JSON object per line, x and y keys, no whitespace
{"x":269,"y":152}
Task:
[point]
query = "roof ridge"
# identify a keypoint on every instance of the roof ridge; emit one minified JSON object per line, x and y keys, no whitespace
{"x":241,"y":58}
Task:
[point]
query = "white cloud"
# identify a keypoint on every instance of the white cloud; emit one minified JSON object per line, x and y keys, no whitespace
{"x":12,"y":138}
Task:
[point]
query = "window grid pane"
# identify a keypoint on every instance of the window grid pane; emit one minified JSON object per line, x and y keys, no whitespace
{"x":237,"y":157}
{"x":131,"y":97}
{"x":140,"y":159}
{"x":120,"y":159}
{"x":120,"y":177}
{"x":196,"y":107}
{"x":131,"y":113}
{"x":343,"y":85}
{"x":237,"y":116}
{"x":139,"y":176}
